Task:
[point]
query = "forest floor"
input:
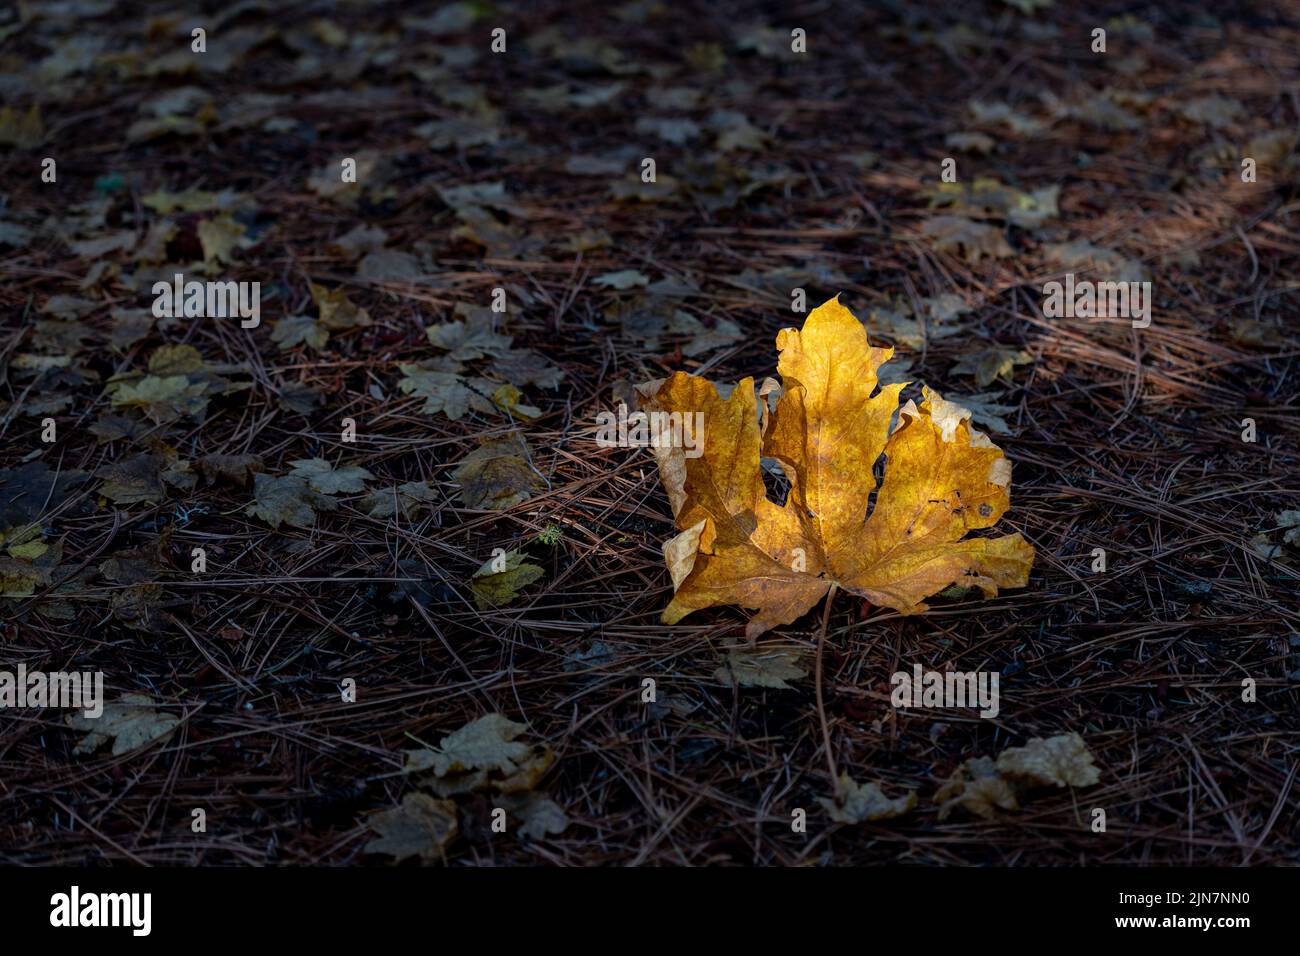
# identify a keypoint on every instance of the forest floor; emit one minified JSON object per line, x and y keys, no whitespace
{"x":378,"y":366}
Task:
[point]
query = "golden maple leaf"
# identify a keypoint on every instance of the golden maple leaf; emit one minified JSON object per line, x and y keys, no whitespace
{"x":942,"y":479}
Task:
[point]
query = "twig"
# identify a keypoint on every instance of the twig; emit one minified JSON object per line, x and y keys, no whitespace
{"x":821,"y":707}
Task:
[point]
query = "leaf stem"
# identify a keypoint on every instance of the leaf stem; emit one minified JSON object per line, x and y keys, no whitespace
{"x":821,"y":707}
